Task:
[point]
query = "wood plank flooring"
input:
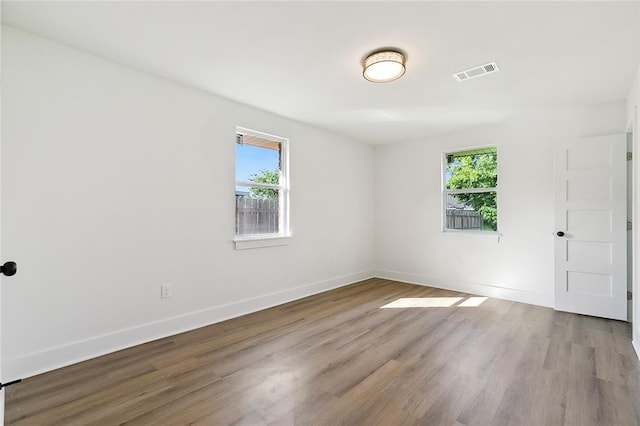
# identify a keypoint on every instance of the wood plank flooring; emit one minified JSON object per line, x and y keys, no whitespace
{"x":339,"y":358}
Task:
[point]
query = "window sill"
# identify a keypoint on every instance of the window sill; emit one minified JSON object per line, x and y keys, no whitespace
{"x":258,"y":241}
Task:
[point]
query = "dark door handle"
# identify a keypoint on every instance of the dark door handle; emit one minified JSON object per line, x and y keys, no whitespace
{"x":560,"y":234}
{"x":9,"y":268}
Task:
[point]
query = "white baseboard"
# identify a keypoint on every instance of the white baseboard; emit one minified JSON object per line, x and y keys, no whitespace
{"x":64,"y":355}
{"x":636,"y":347}
{"x":473,"y":288}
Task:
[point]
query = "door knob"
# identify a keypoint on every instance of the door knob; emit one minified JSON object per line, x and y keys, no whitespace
{"x":560,"y":234}
{"x":9,"y":268}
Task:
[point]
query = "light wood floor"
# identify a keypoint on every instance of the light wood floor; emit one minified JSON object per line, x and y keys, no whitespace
{"x":338,"y":358}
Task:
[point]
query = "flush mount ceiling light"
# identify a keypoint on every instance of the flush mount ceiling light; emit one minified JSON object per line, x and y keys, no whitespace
{"x":384,"y":66}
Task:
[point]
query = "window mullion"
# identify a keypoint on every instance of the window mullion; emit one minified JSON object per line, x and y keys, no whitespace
{"x":470,"y":190}
{"x":259,"y":185}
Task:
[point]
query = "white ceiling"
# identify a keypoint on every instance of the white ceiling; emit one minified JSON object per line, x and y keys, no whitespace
{"x":303,"y":59}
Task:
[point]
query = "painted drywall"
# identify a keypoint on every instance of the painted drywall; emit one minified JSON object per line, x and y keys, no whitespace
{"x":115,"y":181}
{"x":518,"y":264}
{"x":633,"y":98}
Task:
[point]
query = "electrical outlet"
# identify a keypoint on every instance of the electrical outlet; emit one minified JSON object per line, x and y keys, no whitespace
{"x":165,"y":291}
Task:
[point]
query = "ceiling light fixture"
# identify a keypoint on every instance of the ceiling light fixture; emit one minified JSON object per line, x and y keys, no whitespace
{"x":384,"y":66}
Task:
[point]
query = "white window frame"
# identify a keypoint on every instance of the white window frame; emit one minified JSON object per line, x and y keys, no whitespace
{"x":446,"y":192}
{"x":282,"y":237}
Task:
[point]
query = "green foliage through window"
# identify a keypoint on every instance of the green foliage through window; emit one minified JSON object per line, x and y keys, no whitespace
{"x":265,"y":176}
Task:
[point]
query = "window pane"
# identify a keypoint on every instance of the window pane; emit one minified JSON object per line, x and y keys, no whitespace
{"x":472,"y":211}
{"x":257,"y":215}
{"x":472,"y":169}
{"x":257,"y":160}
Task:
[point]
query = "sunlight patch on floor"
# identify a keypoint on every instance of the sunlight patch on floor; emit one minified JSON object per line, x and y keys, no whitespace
{"x":434,"y":302}
{"x":473,"y":301}
{"x":423,"y":302}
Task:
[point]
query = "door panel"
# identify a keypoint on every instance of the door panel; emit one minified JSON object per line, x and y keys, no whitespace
{"x":596,"y":253}
{"x":590,"y":209}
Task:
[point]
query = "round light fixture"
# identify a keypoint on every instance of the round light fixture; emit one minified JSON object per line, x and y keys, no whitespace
{"x":384,"y":66}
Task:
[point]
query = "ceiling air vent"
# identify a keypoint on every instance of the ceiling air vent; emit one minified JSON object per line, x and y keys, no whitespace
{"x":476,"y":71}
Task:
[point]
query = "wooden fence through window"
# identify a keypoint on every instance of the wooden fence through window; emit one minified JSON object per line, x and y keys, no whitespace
{"x":260,"y":216}
{"x":464,"y":219}
{"x":256,"y":216}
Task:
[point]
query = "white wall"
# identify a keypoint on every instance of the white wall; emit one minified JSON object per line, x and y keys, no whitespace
{"x":633,"y":98}
{"x":115,"y":181}
{"x":519,"y":266}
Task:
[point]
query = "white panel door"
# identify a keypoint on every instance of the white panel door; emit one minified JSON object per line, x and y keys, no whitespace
{"x":1,"y":390}
{"x":591,"y":222}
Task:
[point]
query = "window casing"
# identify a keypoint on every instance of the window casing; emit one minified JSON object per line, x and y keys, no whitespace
{"x":262,"y":187}
{"x":470,"y":190}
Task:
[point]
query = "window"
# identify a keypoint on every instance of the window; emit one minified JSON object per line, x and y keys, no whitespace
{"x":262,"y":186}
{"x":471,"y":190}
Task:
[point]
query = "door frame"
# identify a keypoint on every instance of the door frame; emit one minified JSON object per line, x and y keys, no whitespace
{"x":630,"y":218}
{"x":633,"y":129}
